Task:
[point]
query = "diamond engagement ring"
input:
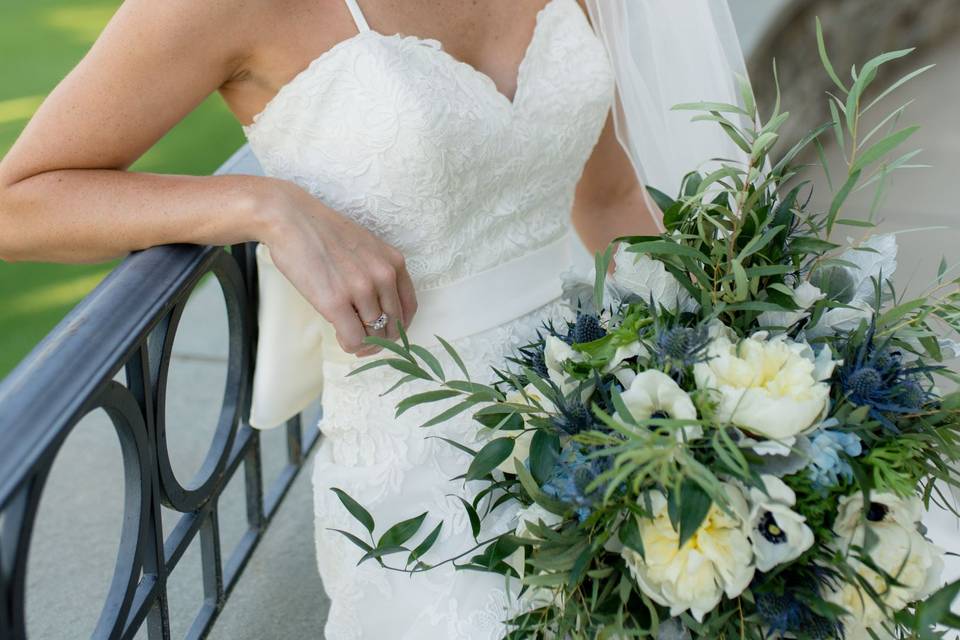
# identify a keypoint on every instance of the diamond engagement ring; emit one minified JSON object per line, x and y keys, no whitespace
{"x":379,"y":323}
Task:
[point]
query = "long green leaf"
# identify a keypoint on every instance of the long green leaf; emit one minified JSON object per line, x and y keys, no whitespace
{"x":426,"y":545}
{"x":455,"y":356}
{"x":544,"y":452}
{"x":399,"y":533}
{"x":825,"y":59}
{"x":354,"y":539}
{"x":489,"y":457}
{"x":389,"y":345}
{"x":356,"y":510}
{"x":882,"y":148}
{"x":472,"y":515}
{"x":629,"y":533}
{"x":422,"y":398}
{"x":428,"y":358}
{"x":445,"y":415}
{"x":709,"y":106}
{"x":896,"y":85}
{"x":840,"y":198}
{"x":409,"y":368}
{"x":668,"y":247}
{"x":694,"y":506}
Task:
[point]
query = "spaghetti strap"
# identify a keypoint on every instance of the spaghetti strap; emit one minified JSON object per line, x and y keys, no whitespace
{"x":357,"y":14}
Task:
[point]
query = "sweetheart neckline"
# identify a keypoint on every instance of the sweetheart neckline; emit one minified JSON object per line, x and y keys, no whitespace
{"x":433,"y":44}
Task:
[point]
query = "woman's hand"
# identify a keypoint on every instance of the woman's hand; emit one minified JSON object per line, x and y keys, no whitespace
{"x":348,"y":274}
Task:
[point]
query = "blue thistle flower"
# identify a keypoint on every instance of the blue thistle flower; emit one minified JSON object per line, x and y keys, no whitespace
{"x":827,"y":467}
{"x":676,"y":347}
{"x":683,"y":346}
{"x":587,"y":329}
{"x":532,"y":357}
{"x":572,"y":474}
{"x":785,"y":614}
{"x":572,"y":416}
{"x":874,"y":375}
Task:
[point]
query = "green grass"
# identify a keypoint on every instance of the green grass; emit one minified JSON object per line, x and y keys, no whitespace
{"x":40,"y":41}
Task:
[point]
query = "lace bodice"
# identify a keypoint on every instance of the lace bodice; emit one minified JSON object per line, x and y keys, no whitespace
{"x":427,"y":153}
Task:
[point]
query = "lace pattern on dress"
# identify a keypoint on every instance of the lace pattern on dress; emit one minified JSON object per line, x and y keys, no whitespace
{"x":424,"y":151}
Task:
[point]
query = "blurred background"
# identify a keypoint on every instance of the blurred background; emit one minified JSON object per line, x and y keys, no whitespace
{"x":280,"y":596}
{"x":40,"y":41}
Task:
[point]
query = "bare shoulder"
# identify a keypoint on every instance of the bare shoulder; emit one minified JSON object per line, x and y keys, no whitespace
{"x":155,"y":61}
{"x":214,"y":31}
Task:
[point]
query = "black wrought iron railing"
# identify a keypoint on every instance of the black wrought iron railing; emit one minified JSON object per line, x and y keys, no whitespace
{"x":125,"y":329}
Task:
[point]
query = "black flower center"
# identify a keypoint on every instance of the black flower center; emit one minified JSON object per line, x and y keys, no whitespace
{"x":770,"y":530}
{"x":660,"y":415}
{"x":877,"y":512}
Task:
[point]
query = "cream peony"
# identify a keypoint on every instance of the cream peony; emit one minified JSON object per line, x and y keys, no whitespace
{"x":900,"y":550}
{"x":771,"y":387}
{"x":778,"y":533}
{"x":647,"y":278}
{"x":521,"y":439}
{"x":716,"y":560}
{"x":653,"y":393}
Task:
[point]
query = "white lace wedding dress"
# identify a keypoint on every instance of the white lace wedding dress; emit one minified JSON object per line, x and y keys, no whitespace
{"x":476,"y":190}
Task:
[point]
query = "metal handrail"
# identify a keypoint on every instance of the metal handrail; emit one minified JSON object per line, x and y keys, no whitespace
{"x":128,"y":324}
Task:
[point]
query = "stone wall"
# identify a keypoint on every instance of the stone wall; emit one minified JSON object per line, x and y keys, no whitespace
{"x":855,"y":31}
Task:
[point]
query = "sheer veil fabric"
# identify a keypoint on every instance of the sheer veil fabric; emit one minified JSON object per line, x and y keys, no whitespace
{"x":664,"y":53}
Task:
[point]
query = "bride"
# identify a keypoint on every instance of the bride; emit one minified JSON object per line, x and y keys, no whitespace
{"x":424,"y":180}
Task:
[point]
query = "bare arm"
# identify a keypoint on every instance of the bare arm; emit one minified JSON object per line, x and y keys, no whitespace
{"x":610,"y":201}
{"x":66,"y":194}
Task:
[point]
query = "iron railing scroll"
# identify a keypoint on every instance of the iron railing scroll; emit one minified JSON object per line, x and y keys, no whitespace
{"x":127,"y":325}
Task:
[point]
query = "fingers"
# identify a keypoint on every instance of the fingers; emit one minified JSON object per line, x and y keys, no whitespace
{"x":368,"y":308}
{"x":373,"y":285}
{"x":350,"y":331}
{"x":407,"y":295}
{"x":388,"y":299}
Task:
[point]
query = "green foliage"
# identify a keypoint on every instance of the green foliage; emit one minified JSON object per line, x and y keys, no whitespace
{"x":740,"y":240}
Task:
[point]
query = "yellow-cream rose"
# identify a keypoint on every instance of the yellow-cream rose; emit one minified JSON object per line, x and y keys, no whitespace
{"x":772,"y":387}
{"x":716,"y":560}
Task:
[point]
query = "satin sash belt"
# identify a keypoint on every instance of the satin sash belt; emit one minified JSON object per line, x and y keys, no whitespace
{"x":295,"y":340}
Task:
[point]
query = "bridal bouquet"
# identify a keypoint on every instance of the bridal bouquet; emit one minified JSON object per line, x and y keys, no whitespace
{"x":737,"y":434}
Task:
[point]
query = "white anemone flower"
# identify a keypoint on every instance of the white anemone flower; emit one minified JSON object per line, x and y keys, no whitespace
{"x":805,"y":295}
{"x":716,"y":560}
{"x":653,"y":393}
{"x":900,"y":550}
{"x":779,"y":534}
{"x":648,"y":279}
{"x":776,"y":388}
{"x":876,"y":259}
{"x":555,"y":353}
{"x":625,"y":374}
